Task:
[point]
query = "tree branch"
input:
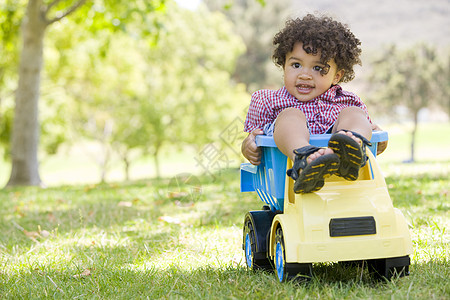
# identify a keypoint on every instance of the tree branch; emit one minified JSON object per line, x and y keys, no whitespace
{"x":50,"y":5}
{"x":73,"y":8}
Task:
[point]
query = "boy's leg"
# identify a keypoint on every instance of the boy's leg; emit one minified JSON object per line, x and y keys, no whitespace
{"x":350,"y":147}
{"x":353,"y":118}
{"x":311,"y":164}
{"x":291,"y":132}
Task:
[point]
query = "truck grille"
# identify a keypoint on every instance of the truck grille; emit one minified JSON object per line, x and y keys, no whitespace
{"x":352,"y":226}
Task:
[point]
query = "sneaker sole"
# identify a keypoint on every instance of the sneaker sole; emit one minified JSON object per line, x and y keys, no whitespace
{"x":350,"y":155}
{"x":312,"y":177}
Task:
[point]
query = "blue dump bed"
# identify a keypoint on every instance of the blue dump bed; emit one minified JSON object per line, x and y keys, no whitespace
{"x":268,"y":178}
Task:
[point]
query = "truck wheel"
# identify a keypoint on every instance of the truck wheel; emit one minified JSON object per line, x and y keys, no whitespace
{"x":288,"y":271}
{"x":352,"y":263}
{"x":386,"y":268}
{"x":252,"y":262}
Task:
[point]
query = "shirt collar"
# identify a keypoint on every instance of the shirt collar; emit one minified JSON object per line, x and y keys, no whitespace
{"x":329,"y":94}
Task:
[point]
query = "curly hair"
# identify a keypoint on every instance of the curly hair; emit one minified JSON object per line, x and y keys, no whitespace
{"x":319,"y":34}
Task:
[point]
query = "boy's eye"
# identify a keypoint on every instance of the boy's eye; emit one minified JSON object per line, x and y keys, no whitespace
{"x":318,"y":68}
{"x":296,"y":65}
{"x":323,"y":70}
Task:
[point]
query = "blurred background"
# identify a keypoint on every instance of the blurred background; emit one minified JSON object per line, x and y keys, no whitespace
{"x":139,"y":89}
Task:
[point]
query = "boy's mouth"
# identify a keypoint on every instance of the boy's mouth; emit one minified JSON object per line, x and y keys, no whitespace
{"x":304,"y":88}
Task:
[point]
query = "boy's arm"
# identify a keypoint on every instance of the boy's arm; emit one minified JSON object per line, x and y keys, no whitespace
{"x":249,"y":149}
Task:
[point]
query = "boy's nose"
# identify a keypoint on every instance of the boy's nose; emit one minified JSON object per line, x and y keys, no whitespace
{"x":304,"y":74}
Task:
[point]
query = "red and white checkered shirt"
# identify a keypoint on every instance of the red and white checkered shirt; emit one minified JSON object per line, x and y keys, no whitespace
{"x":321,"y":112}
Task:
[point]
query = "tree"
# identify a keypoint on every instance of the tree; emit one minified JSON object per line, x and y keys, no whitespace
{"x":106,"y":86}
{"x":414,"y":78}
{"x":25,"y":131}
{"x":38,"y":17}
{"x":256,"y":22}
{"x":189,"y":95}
{"x":135,"y":97}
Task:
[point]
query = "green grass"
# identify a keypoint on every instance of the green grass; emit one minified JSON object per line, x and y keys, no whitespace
{"x":431,"y":144}
{"x":153,"y":239}
{"x":150,"y":240}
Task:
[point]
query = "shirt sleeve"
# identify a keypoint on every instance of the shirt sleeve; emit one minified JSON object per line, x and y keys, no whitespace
{"x":351,"y":99}
{"x":363,"y":106}
{"x":259,"y":112}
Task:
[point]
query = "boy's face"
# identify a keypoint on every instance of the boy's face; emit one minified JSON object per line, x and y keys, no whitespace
{"x":305,"y":77}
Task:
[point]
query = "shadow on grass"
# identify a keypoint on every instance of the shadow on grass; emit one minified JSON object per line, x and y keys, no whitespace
{"x":422,"y":194}
{"x":132,"y":209}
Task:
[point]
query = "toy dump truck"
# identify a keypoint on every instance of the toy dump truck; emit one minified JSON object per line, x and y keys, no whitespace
{"x":345,"y":221}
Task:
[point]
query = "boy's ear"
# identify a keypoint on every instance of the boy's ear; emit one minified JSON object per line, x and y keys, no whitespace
{"x":338,"y":76}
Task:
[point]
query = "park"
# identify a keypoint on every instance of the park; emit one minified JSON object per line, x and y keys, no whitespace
{"x":119,"y":159}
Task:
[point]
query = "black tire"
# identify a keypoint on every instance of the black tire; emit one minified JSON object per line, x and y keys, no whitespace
{"x":352,"y":263}
{"x":386,"y":268}
{"x":288,"y":271}
{"x":253,"y":260}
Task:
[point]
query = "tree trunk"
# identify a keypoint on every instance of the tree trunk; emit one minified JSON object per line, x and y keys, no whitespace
{"x":156,"y":162}
{"x":127,"y":163}
{"x":413,"y":136}
{"x":105,"y":144}
{"x":25,"y":132}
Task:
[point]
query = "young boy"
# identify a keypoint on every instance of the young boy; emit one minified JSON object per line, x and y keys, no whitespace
{"x":315,"y":53}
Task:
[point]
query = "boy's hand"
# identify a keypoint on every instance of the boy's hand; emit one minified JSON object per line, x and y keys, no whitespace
{"x":249,"y":148}
{"x":381,"y":145}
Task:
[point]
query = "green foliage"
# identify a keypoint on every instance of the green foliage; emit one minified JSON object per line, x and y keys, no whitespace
{"x":189,"y":75}
{"x":190,"y":98}
{"x":82,"y":46}
{"x":256,"y":22}
{"x":142,"y":239}
{"x":137,"y":17}
{"x":11,"y":13}
{"x":416,"y":78}
{"x":134,"y":96}
{"x":97,"y":15}
{"x":6,"y":119}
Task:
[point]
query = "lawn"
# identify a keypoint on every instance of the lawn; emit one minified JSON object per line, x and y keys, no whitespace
{"x":154,"y":239}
